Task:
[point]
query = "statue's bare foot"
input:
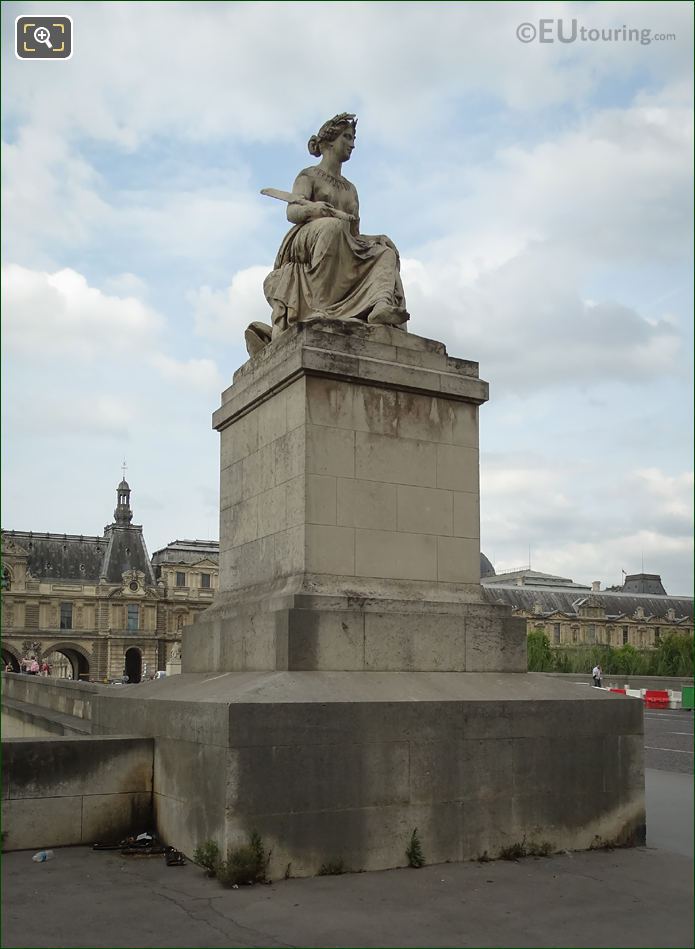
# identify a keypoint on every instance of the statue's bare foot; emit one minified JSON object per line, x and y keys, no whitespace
{"x":385,"y":314}
{"x":257,"y":337}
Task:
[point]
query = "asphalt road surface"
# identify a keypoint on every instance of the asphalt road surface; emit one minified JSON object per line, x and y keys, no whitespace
{"x":668,"y":740}
{"x":668,"y":779}
{"x":621,"y":898}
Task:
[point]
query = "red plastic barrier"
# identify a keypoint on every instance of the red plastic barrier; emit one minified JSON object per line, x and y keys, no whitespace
{"x":656,"y":698}
{"x":622,"y":691}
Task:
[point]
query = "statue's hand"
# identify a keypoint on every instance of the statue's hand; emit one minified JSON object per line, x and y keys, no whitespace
{"x":324,"y":209}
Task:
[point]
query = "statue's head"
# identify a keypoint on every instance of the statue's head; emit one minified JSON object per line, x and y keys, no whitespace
{"x":330,"y":131}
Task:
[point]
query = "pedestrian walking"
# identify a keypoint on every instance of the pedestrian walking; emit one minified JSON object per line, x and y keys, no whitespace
{"x":597,"y":674}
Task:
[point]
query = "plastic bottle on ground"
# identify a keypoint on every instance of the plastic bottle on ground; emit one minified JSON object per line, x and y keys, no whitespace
{"x":42,"y":856}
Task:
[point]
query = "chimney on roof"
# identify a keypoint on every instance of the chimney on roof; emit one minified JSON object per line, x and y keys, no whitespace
{"x":595,"y":586}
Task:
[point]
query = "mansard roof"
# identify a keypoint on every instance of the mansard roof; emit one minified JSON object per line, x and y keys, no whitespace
{"x":644,"y":583}
{"x":61,"y":556}
{"x":533,"y":578}
{"x":126,"y":551}
{"x":569,"y":599}
{"x":83,"y":558}
{"x":188,"y":552}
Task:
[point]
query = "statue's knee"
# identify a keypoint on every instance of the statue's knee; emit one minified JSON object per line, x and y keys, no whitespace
{"x":331,"y":226}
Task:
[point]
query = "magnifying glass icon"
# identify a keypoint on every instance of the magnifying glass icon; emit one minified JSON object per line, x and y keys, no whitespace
{"x":43,"y":35}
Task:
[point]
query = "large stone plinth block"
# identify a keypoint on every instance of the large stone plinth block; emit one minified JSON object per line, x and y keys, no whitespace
{"x":349,"y":523}
{"x":329,"y":766}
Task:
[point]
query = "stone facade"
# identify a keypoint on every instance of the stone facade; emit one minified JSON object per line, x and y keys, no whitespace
{"x":640,"y":613}
{"x":95,"y":606}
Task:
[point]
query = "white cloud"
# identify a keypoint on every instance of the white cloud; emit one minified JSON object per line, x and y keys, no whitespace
{"x":225,"y":314}
{"x":102,"y":417}
{"x":49,"y":314}
{"x":60,"y":320}
{"x":531,"y":307}
{"x":193,"y":224}
{"x":661,"y":554}
{"x":575,"y":515}
{"x":56,"y":203}
{"x":51,"y":195}
{"x":126,"y":284}
{"x":669,"y":496}
{"x":246,"y":68}
{"x":525,"y":233}
{"x":200,"y":374}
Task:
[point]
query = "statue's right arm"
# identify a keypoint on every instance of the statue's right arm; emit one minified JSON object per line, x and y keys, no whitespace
{"x":301,"y":213}
{"x":310,"y":209}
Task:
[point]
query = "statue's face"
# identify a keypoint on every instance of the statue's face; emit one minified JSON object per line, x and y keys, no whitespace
{"x":343,"y":145}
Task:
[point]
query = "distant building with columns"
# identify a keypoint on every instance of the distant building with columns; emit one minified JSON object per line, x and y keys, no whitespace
{"x":98,"y":606}
{"x":639,"y":613}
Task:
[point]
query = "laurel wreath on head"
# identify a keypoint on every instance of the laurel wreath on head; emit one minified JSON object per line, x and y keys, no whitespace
{"x":330,"y":130}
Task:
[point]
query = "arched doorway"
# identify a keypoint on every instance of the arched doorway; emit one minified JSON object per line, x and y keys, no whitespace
{"x":67,"y":662}
{"x":9,"y":659}
{"x":133,"y":664}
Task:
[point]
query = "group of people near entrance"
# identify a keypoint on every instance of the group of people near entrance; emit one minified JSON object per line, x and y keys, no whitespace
{"x":31,"y":666}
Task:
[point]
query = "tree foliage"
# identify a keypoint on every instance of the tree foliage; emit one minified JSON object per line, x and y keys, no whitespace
{"x":540,"y":655}
{"x":672,"y":657}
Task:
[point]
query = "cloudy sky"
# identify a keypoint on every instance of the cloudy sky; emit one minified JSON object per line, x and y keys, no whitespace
{"x":539,"y":193}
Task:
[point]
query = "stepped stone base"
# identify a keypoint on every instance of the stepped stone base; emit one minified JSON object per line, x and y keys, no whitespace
{"x":312,"y":633}
{"x":345,"y":765}
{"x":350,"y":683}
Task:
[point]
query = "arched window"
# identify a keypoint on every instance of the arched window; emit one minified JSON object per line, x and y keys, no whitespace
{"x":6,"y":579}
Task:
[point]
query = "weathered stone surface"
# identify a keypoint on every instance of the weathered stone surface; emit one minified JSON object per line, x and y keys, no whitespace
{"x":76,"y":790}
{"x":351,"y":633}
{"x":350,"y":682}
{"x":329,"y":765}
{"x":347,"y":472}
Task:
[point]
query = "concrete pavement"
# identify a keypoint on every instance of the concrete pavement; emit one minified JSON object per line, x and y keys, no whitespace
{"x":621,"y":898}
{"x":625,"y":898}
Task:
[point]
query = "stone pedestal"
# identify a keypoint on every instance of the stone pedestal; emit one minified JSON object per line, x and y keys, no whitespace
{"x":349,"y":523}
{"x":345,"y":765}
{"x":350,"y":682}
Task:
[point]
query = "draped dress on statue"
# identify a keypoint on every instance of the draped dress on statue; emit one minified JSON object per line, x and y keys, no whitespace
{"x":326,"y":268}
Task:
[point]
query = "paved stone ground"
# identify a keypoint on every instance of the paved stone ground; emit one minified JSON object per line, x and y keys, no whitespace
{"x":621,"y":898}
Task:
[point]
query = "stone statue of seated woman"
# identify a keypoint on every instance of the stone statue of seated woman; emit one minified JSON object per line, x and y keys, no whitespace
{"x":325,"y":267}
